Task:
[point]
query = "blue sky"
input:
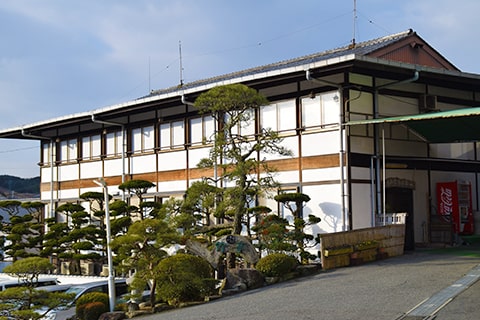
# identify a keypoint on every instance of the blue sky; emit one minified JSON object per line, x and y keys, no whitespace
{"x":60,"y":57}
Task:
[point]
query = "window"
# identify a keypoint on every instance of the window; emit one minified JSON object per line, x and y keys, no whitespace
{"x":202,"y":130}
{"x":322,"y":110}
{"x":68,"y":150}
{"x":280,"y":116}
{"x":172,"y":135}
{"x":245,"y":127}
{"x":114,"y":143}
{"x":91,"y":147}
{"x":46,"y":153}
{"x":143,"y":139}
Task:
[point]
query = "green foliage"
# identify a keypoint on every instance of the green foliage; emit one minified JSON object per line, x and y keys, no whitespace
{"x":69,"y":239}
{"x":183,"y":278}
{"x":295,"y":203}
{"x":88,"y":305}
{"x":273,"y":234}
{"x":288,"y":199}
{"x":24,"y":232}
{"x":234,"y":106}
{"x":24,"y":301}
{"x":136,"y":185}
{"x":94,"y":310}
{"x":142,"y":247}
{"x":276,"y":264}
{"x":29,"y":269}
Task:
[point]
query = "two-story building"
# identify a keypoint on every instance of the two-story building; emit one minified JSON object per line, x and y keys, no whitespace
{"x":333,"y":110}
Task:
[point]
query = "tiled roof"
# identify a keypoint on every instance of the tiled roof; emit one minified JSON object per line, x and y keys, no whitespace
{"x":362,"y":48}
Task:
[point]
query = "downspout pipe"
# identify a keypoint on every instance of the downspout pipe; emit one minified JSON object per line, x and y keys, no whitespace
{"x":308,"y":76}
{"x":381,"y":199}
{"x":27,"y":135}
{"x":184,"y":101}
{"x":124,"y":143}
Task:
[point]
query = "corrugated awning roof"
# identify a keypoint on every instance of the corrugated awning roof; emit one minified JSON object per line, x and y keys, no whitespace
{"x":461,"y":125}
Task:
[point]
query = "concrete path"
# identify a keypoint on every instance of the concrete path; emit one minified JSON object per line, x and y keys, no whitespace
{"x":418,"y":285}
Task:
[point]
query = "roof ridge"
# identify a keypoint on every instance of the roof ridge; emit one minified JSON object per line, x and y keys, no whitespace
{"x":346,"y":49}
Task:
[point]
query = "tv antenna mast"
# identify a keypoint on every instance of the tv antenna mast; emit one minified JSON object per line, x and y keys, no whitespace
{"x":181,"y":66}
{"x":354,"y":22}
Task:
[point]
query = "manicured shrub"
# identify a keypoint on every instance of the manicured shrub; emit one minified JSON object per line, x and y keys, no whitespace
{"x":184,"y":278}
{"x":276,"y":264}
{"x":88,"y":298}
{"x":94,"y":310}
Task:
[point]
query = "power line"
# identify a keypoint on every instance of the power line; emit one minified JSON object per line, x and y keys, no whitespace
{"x":19,"y":149}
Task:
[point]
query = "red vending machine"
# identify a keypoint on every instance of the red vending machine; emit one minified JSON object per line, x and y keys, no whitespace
{"x":454,"y":199}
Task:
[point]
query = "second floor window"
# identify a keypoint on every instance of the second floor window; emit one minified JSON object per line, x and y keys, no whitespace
{"x":280,"y":116}
{"x":114,"y":144}
{"x":322,"y":110}
{"x":201,"y":130}
{"x":68,"y":150}
{"x":143,"y":139}
{"x":91,"y":147}
{"x":172,"y":135}
{"x":46,"y":153}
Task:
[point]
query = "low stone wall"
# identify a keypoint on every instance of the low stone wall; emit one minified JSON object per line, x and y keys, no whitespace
{"x":341,"y":249}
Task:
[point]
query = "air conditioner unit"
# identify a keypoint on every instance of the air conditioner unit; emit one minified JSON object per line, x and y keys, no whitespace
{"x":428,"y":103}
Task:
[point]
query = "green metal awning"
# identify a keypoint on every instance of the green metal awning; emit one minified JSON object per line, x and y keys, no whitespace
{"x":461,"y":125}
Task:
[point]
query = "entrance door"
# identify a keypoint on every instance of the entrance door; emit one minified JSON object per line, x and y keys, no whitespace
{"x":401,"y":200}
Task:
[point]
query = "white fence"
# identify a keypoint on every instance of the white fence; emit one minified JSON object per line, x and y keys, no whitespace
{"x":391,"y":218}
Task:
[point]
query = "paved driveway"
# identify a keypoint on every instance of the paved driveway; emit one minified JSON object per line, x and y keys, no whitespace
{"x":385,"y":289}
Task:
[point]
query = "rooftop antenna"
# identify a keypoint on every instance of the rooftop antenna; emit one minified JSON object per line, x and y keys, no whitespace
{"x":181,"y":67}
{"x":354,"y":21}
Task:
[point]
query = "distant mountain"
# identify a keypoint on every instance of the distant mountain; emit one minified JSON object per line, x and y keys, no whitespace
{"x":15,"y":187}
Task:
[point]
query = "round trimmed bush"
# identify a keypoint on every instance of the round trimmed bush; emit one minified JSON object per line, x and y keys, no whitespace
{"x":276,"y":264}
{"x":86,"y":299}
{"x":94,"y":310}
{"x":184,"y":278}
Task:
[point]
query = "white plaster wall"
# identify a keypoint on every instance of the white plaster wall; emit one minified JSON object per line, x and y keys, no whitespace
{"x":360,"y":173}
{"x":324,"y":174}
{"x":45,"y":195}
{"x":174,"y":160}
{"x":361,"y":145}
{"x":287,"y":176}
{"x":68,"y":172}
{"x":325,"y":203}
{"x":68,"y":194}
{"x":320,"y":143}
{"x":143,"y":164}
{"x":46,"y":174}
{"x":290,"y":143}
{"x":171,"y":186}
{"x":463,"y":151}
{"x":90,"y":170}
{"x":114,"y":167}
{"x":362,"y":206}
{"x":195,"y":155}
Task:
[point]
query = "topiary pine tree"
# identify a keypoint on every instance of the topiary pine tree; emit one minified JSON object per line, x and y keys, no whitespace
{"x":295,"y":202}
{"x":27,"y":302}
{"x":236,"y":156}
